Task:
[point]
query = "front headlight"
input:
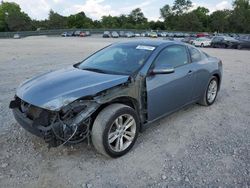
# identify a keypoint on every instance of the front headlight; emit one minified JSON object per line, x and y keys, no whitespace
{"x":58,"y":103}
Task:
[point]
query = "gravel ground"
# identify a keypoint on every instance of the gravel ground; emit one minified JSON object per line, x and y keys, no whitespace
{"x":195,"y":147}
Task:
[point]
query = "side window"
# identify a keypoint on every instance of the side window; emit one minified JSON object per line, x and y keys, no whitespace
{"x":174,"y":55}
{"x":215,"y":39}
{"x":195,"y":54}
{"x":221,"y":39}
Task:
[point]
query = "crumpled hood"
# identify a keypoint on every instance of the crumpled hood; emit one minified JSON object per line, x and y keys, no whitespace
{"x":56,"y":89}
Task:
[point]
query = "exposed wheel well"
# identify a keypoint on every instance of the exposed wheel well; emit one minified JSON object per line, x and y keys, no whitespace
{"x":218,"y":77}
{"x":122,"y":100}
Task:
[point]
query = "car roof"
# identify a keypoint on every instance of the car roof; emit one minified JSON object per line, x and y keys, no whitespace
{"x":151,"y":42}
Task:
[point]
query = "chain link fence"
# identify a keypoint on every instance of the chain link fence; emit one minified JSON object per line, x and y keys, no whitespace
{"x":58,"y":32}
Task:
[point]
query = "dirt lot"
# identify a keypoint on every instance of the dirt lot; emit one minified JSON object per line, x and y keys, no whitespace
{"x":195,"y":147}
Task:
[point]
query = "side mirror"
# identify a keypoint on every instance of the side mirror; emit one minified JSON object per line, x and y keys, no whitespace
{"x":163,"y":69}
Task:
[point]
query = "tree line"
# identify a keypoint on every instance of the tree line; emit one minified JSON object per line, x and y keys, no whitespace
{"x":181,"y":16}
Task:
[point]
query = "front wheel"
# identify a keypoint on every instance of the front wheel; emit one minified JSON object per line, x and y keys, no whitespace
{"x":115,"y":130}
{"x":211,"y":92}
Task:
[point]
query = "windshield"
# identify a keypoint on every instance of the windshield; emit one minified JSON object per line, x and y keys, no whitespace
{"x":118,"y":59}
{"x":230,"y":38}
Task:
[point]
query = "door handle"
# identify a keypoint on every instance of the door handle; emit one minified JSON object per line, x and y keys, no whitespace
{"x":190,"y":72}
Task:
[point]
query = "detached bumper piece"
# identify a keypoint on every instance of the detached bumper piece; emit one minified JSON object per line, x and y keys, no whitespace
{"x":55,"y":128}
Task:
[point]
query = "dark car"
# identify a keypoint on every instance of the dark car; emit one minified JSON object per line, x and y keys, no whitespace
{"x":224,"y":42}
{"x":188,"y":40}
{"x":244,"y":41}
{"x":67,"y":34}
{"x":106,"y":34}
{"x":115,"y":93}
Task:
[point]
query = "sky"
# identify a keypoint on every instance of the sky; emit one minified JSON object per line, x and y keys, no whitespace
{"x":95,"y":9}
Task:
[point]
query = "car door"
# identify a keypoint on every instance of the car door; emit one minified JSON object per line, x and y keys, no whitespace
{"x":168,"y":92}
{"x":201,"y":76}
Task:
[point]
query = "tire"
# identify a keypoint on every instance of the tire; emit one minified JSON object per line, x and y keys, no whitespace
{"x":205,"y":100}
{"x":239,"y":47}
{"x":224,"y":46}
{"x":106,"y":125}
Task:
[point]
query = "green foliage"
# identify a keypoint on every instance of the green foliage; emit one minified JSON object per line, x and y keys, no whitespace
{"x":110,"y":22}
{"x":79,"y":20}
{"x":189,"y":22}
{"x":181,"y":6}
{"x":56,"y":21}
{"x":137,"y":17}
{"x":220,"y":21}
{"x":176,"y":17}
{"x":12,"y":18}
{"x":202,"y":14}
{"x":240,"y":18}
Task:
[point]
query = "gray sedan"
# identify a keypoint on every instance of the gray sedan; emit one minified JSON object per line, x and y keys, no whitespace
{"x":115,"y":93}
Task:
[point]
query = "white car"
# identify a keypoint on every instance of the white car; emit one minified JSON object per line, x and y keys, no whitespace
{"x":202,"y":42}
{"x":16,"y":36}
{"x":137,"y":34}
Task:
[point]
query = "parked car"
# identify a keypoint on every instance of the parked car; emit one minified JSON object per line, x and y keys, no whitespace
{"x":169,"y":38}
{"x":202,"y":35}
{"x":244,"y":42}
{"x":163,"y":34}
{"x":178,"y":35}
{"x":114,"y":34}
{"x":188,"y":40}
{"x":144,"y":34}
{"x":115,"y":93}
{"x":129,"y":34}
{"x":153,"y":35}
{"x":106,"y":34}
{"x":202,"y":42}
{"x":16,"y":36}
{"x":224,"y":42}
{"x":87,"y":33}
{"x":171,"y":35}
{"x":137,"y":34}
{"x":82,"y":34}
{"x":122,"y":34}
{"x":76,"y":33}
{"x":67,"y":34}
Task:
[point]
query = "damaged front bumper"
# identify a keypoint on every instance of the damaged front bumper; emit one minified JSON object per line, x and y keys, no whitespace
{"x":27,"y":123}
{"x":69,"y":125}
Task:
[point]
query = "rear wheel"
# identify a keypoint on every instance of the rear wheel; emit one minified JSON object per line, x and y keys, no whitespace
{"x":115,"y":130}
{"x":211,"y":92}
{"x":223,"y":46}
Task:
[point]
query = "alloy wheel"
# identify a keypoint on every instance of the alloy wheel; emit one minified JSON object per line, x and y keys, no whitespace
{"x":122,"y":133}
{"x":212,"y":91}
